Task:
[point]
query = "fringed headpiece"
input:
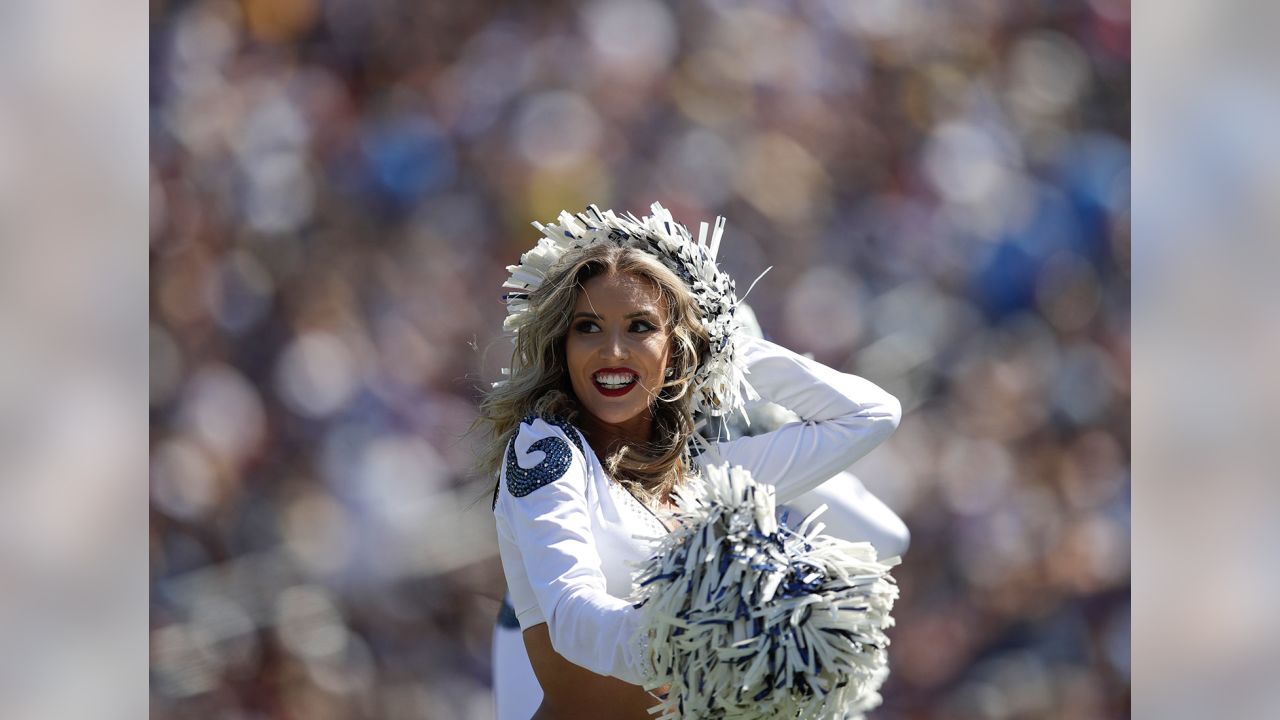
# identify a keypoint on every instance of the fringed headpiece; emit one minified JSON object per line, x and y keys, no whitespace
{"x":719,"y":383}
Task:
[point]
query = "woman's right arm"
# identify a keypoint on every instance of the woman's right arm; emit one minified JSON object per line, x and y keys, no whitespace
{"x":542,"y":517}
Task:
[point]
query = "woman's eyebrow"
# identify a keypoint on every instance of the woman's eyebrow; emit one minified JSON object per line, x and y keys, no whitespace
{"x":628,"y":316}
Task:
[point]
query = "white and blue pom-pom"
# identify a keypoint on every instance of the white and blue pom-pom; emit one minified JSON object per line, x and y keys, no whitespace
{"x":744,"y":618}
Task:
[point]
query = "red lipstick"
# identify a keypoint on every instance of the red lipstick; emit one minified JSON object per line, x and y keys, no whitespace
{"x":615,"y":392}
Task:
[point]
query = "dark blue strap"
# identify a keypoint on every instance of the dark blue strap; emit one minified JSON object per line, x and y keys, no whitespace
{"x":507,"y":615}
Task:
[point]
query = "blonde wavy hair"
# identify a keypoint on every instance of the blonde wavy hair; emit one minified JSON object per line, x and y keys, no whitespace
{"x":539,"y":382}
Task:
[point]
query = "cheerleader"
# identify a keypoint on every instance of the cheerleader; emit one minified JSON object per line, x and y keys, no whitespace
{"x":853,"y":513}
{"x":624,"y":328}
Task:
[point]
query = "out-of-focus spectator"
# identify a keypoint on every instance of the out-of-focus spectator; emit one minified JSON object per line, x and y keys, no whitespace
{"x":942,"y":190}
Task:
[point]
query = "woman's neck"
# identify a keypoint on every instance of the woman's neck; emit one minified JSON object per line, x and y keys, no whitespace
{"x":607,"y":438}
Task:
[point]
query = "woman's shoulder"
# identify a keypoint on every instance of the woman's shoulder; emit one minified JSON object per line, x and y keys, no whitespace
{"x":535,"y":427}
{"x":551,"y":436}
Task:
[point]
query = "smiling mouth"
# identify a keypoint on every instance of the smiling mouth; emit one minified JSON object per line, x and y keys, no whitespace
{"x":614,"y":383}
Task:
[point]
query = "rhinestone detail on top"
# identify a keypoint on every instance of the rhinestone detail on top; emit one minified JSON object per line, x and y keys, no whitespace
{"x":637,"y":509}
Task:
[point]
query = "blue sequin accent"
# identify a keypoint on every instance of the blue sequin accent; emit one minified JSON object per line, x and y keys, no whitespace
{"x":558,"y":457}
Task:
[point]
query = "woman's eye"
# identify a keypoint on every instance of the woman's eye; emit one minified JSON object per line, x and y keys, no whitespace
{"x":641,"y":326}
{"x":586,"y":326}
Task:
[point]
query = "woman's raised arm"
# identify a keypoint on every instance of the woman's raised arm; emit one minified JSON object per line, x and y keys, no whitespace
{"x":842,"y":418}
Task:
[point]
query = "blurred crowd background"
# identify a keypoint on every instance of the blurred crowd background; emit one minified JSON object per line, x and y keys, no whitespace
{"x":942,"y":189}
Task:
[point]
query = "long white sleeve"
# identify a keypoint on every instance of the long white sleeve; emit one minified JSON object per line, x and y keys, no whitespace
{"x":545,"y":534}
{"x":842,"y":418}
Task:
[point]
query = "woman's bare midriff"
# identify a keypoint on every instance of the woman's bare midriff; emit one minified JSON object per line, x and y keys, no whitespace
{"x":571,"y":692}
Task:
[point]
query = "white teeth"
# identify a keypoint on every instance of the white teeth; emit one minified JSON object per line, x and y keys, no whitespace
{"x":615,"y":380}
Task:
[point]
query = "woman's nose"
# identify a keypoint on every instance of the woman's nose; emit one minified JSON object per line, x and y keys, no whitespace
{"x":615,"y":346}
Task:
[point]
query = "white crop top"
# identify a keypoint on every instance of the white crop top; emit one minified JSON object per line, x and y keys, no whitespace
{"x":567,"y":532}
